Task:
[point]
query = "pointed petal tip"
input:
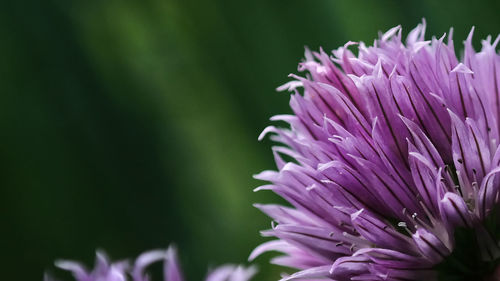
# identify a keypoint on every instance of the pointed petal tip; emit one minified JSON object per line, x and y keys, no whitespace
{"x":356,"y":214}
{"x":462,"y":68}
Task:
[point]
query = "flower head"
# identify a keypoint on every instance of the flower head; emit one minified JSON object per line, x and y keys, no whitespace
{"x":393,"y":164}
{"x":123,"y":271}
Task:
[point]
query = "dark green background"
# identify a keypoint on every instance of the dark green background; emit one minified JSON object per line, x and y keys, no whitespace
{"x":127,"y":125}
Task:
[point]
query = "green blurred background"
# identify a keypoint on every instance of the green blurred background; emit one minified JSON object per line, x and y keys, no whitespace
{"x":127,"y":125}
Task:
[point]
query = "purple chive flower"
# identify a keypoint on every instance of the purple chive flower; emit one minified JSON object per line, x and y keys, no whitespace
{"x":394,"y":163}
{"x":123,"y":271}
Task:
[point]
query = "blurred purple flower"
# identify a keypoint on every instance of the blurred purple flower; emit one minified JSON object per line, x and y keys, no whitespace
{"x":123,"y":271}
{"x":393,"y":163}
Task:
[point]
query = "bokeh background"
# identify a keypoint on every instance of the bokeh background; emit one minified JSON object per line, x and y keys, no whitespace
{"x":128,"y":125}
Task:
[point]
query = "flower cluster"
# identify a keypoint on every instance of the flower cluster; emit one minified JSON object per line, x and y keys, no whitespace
{"x":123,"y":271}
{"x":390,"y":163}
